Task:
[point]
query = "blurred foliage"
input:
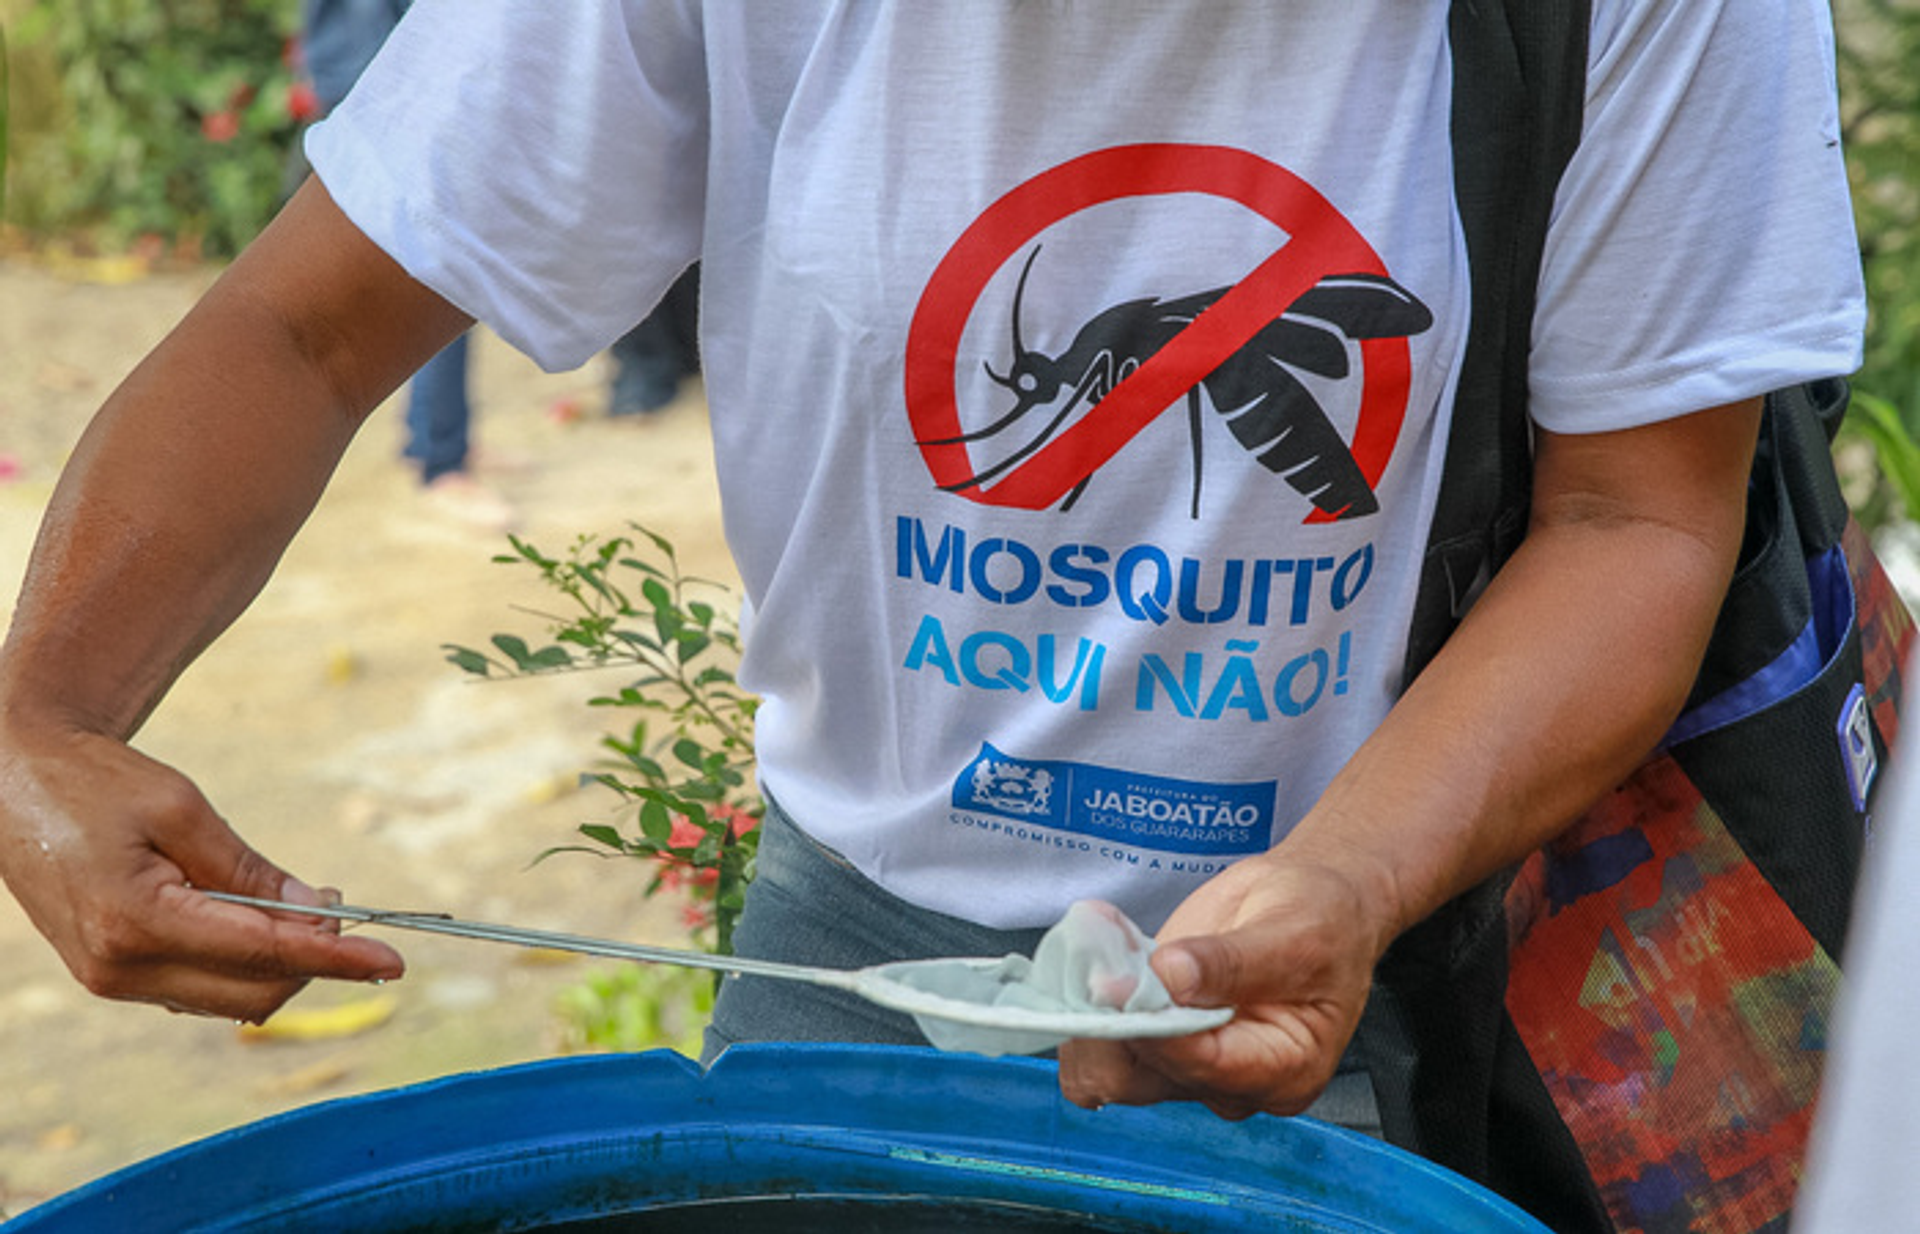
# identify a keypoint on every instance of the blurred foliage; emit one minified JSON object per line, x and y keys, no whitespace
{"x":162,"y":118}
{"x":1880,"y":101}
{"x":6,"y":97}
{"x":635,"y":1007}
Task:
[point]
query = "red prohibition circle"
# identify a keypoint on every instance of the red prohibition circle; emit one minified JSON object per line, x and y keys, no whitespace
{"x":1320,"y":242}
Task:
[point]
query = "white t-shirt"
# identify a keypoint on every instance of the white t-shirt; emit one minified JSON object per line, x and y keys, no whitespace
{"x":1031,"y":622}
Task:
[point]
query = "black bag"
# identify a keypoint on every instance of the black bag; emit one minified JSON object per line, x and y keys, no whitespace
{"x":1626,"y":1031}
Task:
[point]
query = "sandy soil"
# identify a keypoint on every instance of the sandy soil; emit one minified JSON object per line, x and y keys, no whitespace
{"x":328,"y":728}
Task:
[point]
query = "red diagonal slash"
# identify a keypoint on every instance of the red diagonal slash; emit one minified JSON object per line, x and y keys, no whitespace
{"x":1320,"y":242}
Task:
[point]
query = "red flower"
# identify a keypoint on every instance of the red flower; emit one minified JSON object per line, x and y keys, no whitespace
{"x":678,"y":872}
{"x":302,"y":103}
{"x":221,"y":126}
{"x":741,"y":821}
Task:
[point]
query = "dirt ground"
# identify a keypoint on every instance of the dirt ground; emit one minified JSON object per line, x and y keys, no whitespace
{"x":327,"y":727}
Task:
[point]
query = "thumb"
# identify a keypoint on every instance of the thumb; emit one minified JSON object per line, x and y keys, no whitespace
{"x":213,"y":856}
{"x":1208,"y":970}
{"x":218,"y":859}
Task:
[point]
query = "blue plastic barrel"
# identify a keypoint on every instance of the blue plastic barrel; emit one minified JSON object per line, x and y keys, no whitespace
{"x":773,"y":1138}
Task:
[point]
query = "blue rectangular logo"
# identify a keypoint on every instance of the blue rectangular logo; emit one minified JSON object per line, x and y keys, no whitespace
{"x":1124,"y":807}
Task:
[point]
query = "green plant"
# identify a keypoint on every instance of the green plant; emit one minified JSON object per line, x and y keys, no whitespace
{"x":691,"y":789}
{"x":1879,"y":43}
{"x":5,"y":116}
{"x":1895,"y":450}
{"x":171,"y":119}
{"x":635,"y":1007}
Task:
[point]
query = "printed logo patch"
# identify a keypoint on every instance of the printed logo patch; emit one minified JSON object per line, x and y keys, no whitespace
{"x":1855,"y":731}
{"x":1150,"y":812}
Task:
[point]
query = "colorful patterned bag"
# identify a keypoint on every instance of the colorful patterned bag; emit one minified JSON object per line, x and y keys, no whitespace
{"x":1626,"y":1033}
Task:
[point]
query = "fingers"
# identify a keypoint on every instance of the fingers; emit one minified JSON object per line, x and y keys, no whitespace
{"x":1247,"y":1066}
{"x":250,"y":962}
{"x":1280,"y":951}
{"x":105,"y":850}
{"x":249,"y":942}
{"x":197,"y":955}
{"x":1099,"y":1073}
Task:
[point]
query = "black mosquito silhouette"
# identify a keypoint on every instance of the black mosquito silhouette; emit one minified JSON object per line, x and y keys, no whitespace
{"x":1269,"y":409}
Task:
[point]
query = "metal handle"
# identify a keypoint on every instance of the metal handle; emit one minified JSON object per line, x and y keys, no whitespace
{"x":441,"y":923}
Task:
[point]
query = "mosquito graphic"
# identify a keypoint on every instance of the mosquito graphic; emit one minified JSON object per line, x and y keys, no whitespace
{"x":1270,"y":411}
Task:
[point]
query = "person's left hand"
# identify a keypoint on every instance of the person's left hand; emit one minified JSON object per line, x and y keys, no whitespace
{"x":1292,"y":949}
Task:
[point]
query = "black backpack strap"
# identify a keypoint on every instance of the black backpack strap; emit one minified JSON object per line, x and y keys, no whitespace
{"x":1452,"y":1079}
{"x":1519,"y":93}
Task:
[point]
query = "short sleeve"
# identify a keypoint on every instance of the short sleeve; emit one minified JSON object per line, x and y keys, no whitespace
{"x":539,"y":164}
{"x":1702,"y":248}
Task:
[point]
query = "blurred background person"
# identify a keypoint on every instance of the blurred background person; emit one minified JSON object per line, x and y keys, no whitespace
{"x":339,"y":38}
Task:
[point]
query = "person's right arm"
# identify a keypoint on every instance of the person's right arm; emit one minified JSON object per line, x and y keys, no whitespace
{"x":168,"y":520}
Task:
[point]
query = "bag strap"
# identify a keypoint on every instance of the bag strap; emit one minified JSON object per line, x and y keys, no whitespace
{"x":1452,"y":1080}
{"x":1519,"y":94}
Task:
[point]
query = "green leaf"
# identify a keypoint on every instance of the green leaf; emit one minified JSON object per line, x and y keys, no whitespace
{"x":550,"y":658}
{"x":1893,"y":446}
{"x":468,"y":660}
{"x":690,"y":752}
{"x":606,"y":589}
{"x":603,"y":834}
{"x":513,"y":647}
{"x":656,"y":822}
{"x":633,"y":638}
{"x":641,"y":567}
{"x":659,"y":541}
{"x":569,"y":848}
{"x":528,"y":552}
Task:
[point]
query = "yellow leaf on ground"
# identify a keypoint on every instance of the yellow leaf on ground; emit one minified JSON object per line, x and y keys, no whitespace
{"x":64,"y":1138}
{"x":114,"y":270}
{"x":323,"y":1023}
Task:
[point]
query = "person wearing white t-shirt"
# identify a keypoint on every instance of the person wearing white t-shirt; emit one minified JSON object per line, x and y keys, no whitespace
{"x":1080,"y":379}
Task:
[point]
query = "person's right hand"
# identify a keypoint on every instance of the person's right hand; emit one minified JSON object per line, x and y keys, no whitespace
{"x":107,"y":849}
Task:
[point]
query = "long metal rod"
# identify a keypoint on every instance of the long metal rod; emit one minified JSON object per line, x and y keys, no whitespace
{"x":440,"y":923}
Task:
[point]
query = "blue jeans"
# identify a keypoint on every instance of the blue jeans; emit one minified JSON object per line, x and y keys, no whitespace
{"x":650,"y":360}
{"x":808,"y":905}
{"x":339,"y":38}
{"x":438,"y":413}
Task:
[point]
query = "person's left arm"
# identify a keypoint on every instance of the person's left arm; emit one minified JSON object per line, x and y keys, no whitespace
{"x":1561,"y":679}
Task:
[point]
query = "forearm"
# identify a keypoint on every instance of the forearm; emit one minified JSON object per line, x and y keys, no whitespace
{"x":167,"y":521}
{"x":188,"y":485}
{"x":1562,"y":680}
{"x":176,"y":506}
{"x":1563,"y":677}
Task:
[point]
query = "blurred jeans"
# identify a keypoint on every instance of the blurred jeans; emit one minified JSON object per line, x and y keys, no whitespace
{"x":338,"y":39}
{"x":438,"y":413}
